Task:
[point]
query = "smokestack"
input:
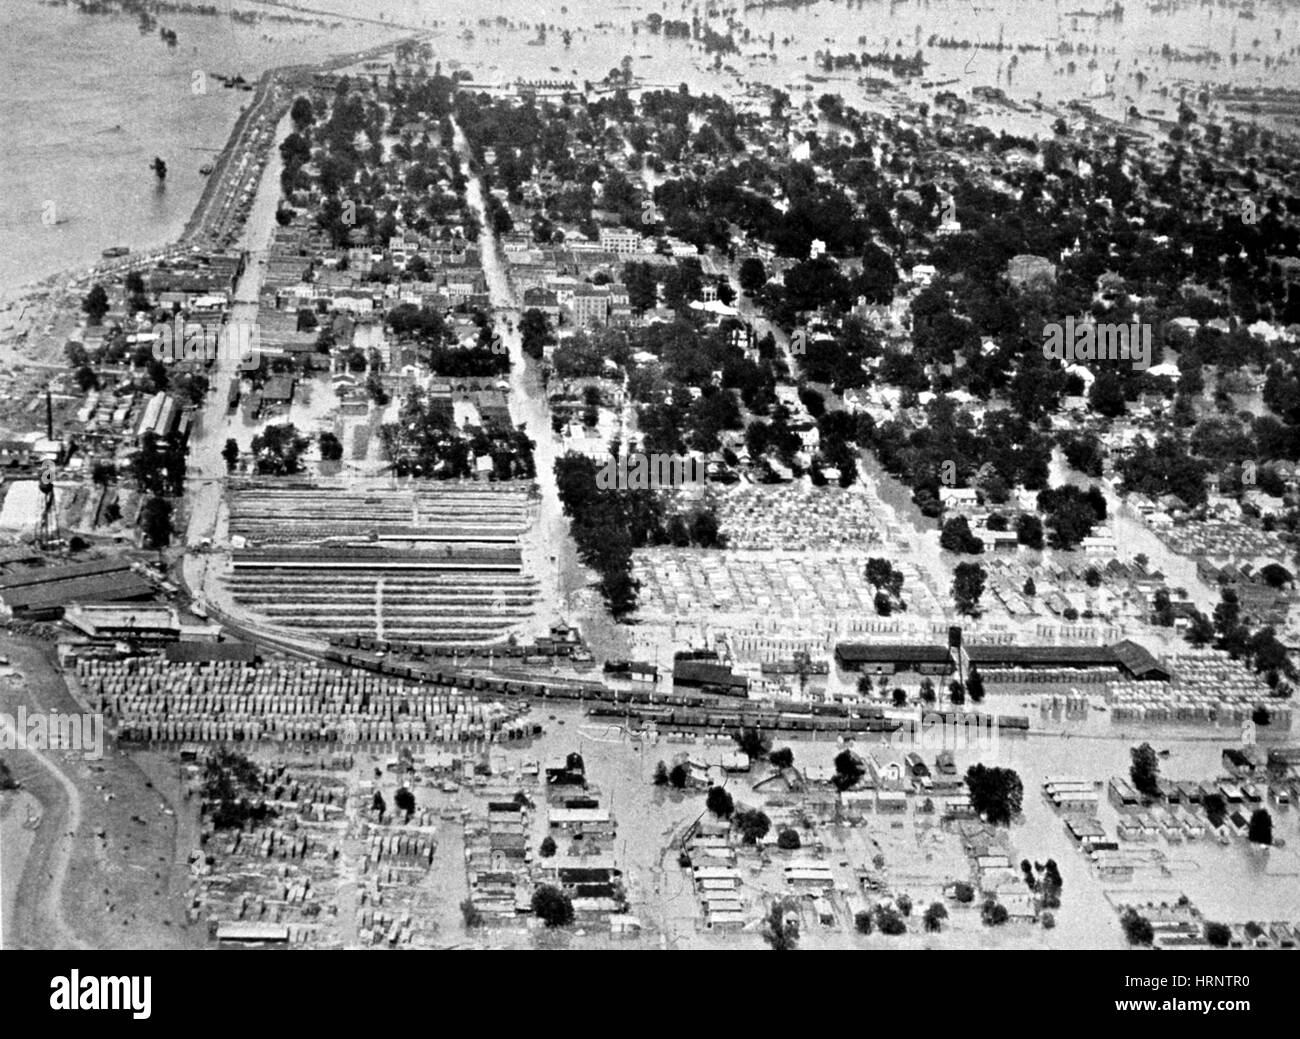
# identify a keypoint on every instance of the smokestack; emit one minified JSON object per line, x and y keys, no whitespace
{"x":49,"y":414}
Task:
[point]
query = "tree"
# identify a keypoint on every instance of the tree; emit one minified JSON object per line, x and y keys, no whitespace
{"x":935,"y":916}
{"x":231,"y":454}
{"x":995,"y":793}
{"x":1200,"y":632}
{"x":378,"y":805}
{"x":1145,"y":770}
{"x":404,"y":799}
{"x":301,"y":113}
{"x":975,"y":685}
{"x":863,"y":922}
{"x":781,"y":928}
{"x":331,"y":450}
{"x":788,"y":840}
{"x":535,"y":332}
{"x":900,"y":698}
{"x":1261,"y":827}
{"x":95,"y":304}
{"x":752,"y":742}
{"x":957,"y":537}
{"x":1030,"y":589}
{"x":967,"y":587}
{"x":470,"y":913}
{"x":1107,"y":395}
{"x":156,"y":519}
{"x":1216,"y":809}
{"x":889,"y":920}
{"x":927,"y":690}
{"x":661,"y":774}
{"x":1137,"y":928}
{"x":1163,"y":608}
{"x":963,"y":892}
{"x":753,"y":276}
{"x":878,"y":572}
{"x":277,"y":450}
{"x":1029,"y":531}
{"x":719,"y":802}
{"x":552,"y":906}
{"x":678,"y":776}
{"x":1218,"y":935}
{"x":547,"y":849}
{"x":848,"y":770}
{"x":993,"y":913}
{"x":87,"y":379}
{"x":234,"y":791}
{"x":752,"y":824}
{"x":782,"y":758}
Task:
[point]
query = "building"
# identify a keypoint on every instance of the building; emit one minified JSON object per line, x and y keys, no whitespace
{"x":621,"y":240}
{"x":590,"y":305}
{"x":887,"y":658}
{"x":710,"y":676}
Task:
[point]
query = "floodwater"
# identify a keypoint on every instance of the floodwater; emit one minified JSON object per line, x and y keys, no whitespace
{"x":84,"y":122}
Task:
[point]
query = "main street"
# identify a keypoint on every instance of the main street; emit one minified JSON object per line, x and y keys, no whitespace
{"x":548,"y":550}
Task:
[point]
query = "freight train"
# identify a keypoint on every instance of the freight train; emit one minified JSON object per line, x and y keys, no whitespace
{"x":671,"y":710}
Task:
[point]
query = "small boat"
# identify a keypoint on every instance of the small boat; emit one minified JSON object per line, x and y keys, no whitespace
{"x":115,"y":250}
{"x":205,"y":169}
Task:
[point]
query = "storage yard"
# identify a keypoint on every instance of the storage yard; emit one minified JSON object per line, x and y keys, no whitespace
{"x":442,"y":564}
{"x":1208,"y":688}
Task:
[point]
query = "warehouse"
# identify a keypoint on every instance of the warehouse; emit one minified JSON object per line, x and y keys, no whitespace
{"x":701,"y":674}
{"x":57,"y":587}
{"x":1128,"y":657}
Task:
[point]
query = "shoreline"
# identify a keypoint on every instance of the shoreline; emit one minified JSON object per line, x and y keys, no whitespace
{"x":225,"y":178}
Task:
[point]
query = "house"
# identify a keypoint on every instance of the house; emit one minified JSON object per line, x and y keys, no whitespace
{"x":951,"y":497}
{"x":1243,"y":761}
{"x":1122,"y":795}
{"x":891,"y":802}
{"x":810,"y":875}
{"x":278,"y":390}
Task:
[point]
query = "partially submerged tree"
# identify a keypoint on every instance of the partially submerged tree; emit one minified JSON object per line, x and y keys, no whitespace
{"x":552,"y":906}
